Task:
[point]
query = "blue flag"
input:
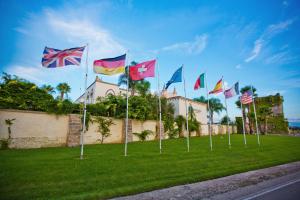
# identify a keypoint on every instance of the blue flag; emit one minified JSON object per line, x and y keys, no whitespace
{"x":177,"y":77}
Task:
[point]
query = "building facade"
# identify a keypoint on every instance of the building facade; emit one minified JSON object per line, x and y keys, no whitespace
{"x":100,"y":88}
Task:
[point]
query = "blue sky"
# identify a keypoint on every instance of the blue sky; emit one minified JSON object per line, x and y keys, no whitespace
{"x":254,"y":42}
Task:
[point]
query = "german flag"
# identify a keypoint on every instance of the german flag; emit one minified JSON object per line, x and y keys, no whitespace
{"x":110,"y":66}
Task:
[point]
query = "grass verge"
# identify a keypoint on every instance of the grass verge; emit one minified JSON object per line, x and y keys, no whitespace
{"x":58,"y":173}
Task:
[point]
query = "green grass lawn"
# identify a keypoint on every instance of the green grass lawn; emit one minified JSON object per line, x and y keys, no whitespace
{"x":58,"y":173}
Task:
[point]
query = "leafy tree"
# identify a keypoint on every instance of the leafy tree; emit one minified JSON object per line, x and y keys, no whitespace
{"x":139,"y":108}
{"x":225,"y":120}
{"x":194,"y":125}
{"x":143,"y":135}
{"x":103,"y":127}
{"x":180,"y":122}
{"x":17,"y":93}
{"x":63,"y":88}
{"x":48,"y":88}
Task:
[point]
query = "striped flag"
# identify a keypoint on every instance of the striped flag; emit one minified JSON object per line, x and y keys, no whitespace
{"x":53,"y":58}
{"x":110,"y":66}
{"x":199,"y":82}
{"x":218,"y":88}
{"x":232,"y":91}
{"x":246,"y":97}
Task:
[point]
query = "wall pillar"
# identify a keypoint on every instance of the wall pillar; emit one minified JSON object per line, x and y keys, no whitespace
{"x":73,"y":138}
{"x":129,"y":136}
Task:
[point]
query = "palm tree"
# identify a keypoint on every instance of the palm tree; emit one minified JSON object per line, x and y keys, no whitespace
{"x":48,"y":88}
{"x":215,"y":106}
{"x":238,"y":104}
{"x":143,"y":87}
{"x":123,"y":78}
{"x":63,"y":88}
{"x":201,"y":99}
{"x":264,"y":113}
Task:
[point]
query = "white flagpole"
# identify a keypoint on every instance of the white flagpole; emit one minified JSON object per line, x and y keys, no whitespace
{"x":85,"y":96}
{"x":229,"y":142}
{"x":257,"y":131}
{"x":244,"y":133}
{"x":209,"y":127}
{"x":159,"y":102}
{"x":126,"y":122}
{"x":186,"y":115}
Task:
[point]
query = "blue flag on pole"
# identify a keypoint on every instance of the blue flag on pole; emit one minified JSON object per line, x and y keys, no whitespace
{"x":177,"y":77}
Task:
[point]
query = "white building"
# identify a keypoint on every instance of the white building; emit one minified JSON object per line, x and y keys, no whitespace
{"x":100,"y":88}
{"x":200,"y":109}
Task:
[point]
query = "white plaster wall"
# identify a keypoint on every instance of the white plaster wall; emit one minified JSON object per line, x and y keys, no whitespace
{"x":92,"y":136}
{"x":139,"y":126}
{"x":34,"y":129}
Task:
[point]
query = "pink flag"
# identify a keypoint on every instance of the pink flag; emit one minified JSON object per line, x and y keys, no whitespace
{"x":142,"y":70}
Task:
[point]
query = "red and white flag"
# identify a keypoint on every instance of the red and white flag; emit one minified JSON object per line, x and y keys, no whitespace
{"x":142,"y":70}
{"x":246,"y":97}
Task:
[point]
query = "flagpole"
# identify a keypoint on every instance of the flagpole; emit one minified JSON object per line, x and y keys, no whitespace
{"x":229,"y":142}
{"x":159,"y":103}
{"x":126,"y":122}
{"x":245,"y":141}
{"x":85,"y":97}
{"x":186,"y":115}
{"x":209,"y":127}
{"x":257,"y":131}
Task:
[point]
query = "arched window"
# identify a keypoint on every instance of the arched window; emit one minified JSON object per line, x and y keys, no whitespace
{"x":110,"y":91}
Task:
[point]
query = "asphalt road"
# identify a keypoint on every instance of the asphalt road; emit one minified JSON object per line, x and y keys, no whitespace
{"x":286,"y":191}
{"x":285,"y":187}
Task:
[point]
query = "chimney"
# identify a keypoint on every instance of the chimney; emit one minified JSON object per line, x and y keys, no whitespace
{"x":98,"y":79}
{"x":174,"y":92}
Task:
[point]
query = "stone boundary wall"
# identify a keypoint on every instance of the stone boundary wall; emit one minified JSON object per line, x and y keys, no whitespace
{"x":33,"y":129}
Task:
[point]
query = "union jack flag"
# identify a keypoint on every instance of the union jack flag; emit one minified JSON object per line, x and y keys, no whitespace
{"x":58,"y":58}
{"x":246,"y":97}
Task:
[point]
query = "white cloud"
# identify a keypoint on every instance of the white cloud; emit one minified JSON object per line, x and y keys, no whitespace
{"x":100,"y":40}
{"x":256,"y":50}
{"x":267,"y":35}
{"x":28,"y":73}
{"x":63,"y":28}
{"x":239,"y":66}
{"x":194,"y":47}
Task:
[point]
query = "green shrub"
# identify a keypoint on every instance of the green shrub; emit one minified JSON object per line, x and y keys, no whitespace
{"x":143,"y":135}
